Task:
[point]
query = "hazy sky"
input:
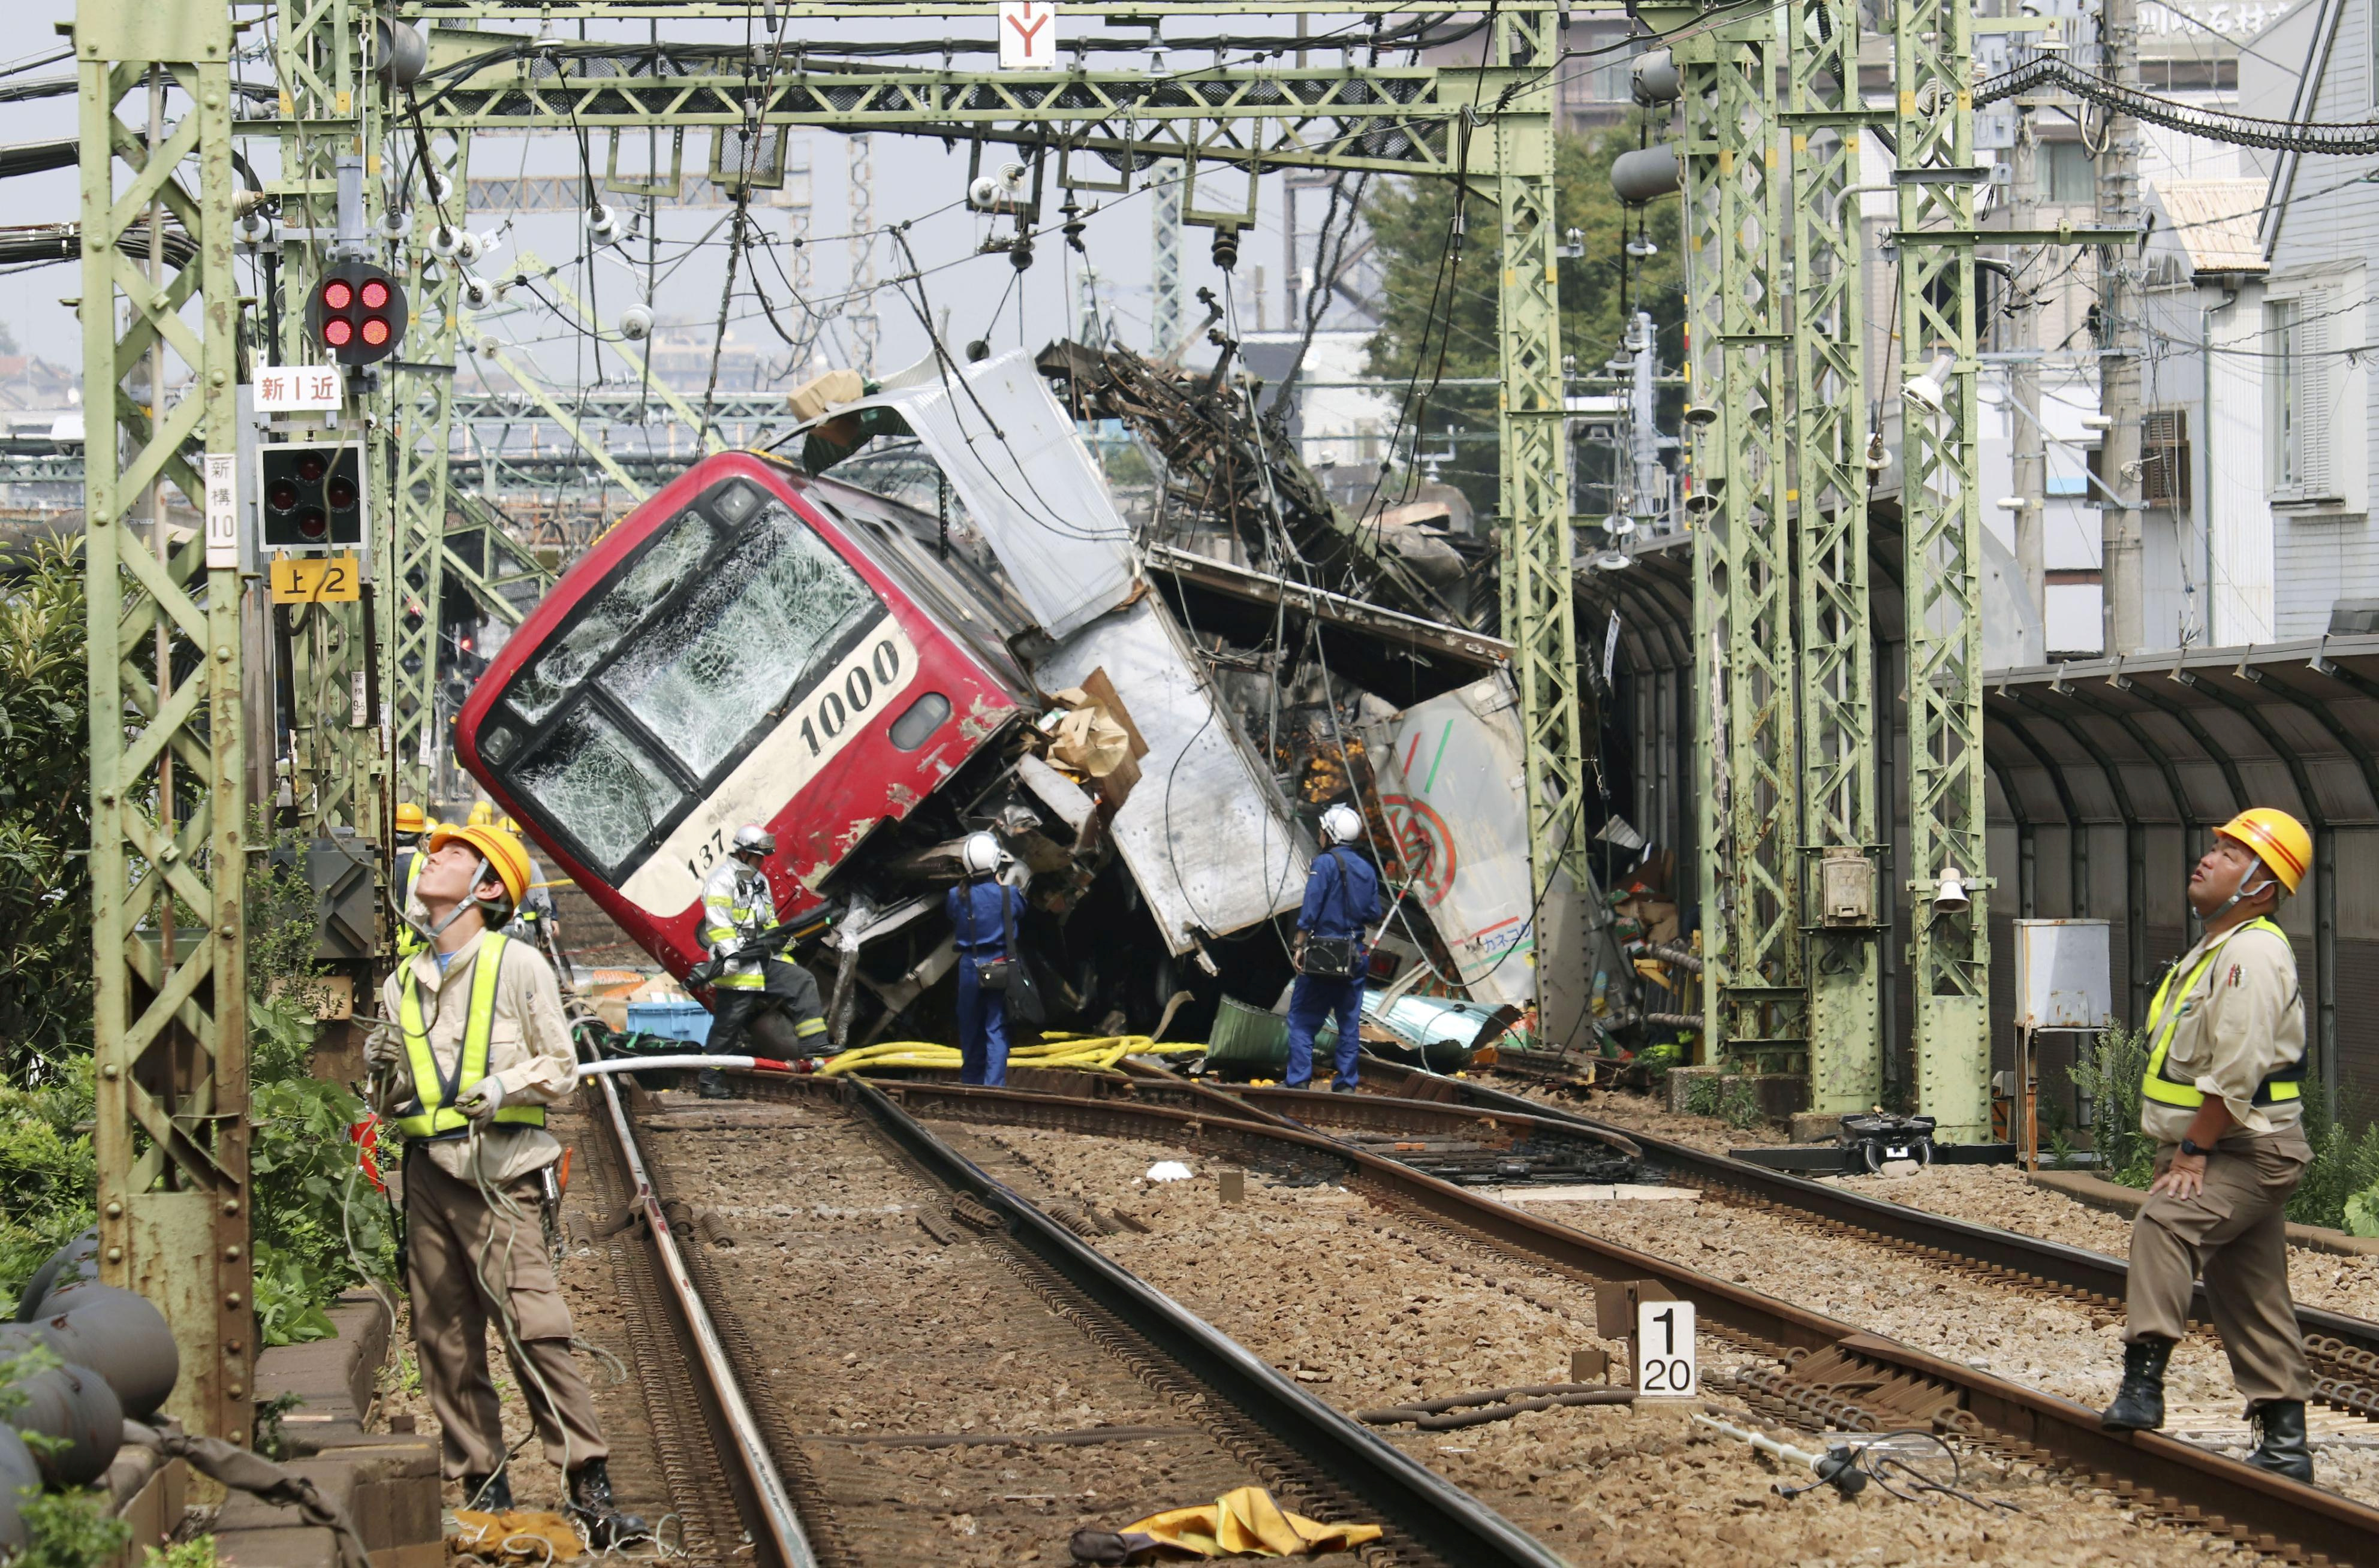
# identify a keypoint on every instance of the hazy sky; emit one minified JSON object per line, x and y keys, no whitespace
{"x":915,"y":178}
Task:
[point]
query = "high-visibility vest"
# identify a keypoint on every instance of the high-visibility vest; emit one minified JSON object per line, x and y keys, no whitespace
{"x":431,"y":1113}
{"x":735,"y":910}
{"x":408,"y":940}
{"x":2282,"y":1083}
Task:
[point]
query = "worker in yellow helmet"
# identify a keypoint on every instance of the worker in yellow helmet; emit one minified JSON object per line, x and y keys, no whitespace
{"x":483,"y":813}
{"x":411,"y":823}
{"x":474,"y":1048}
{"x":2222,"y":1098}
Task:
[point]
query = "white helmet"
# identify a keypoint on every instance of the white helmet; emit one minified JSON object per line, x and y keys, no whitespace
{"x":754,"y":840}
{"x":981,"y":855}
{"x":1341,"y":825}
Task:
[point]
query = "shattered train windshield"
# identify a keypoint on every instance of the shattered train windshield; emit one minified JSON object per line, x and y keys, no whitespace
{"x":664,"y":676}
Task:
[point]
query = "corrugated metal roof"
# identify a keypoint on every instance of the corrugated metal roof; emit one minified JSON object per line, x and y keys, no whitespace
{"x":2215,"y":221}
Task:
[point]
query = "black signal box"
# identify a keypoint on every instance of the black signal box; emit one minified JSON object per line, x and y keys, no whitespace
{"x":313,"y":494}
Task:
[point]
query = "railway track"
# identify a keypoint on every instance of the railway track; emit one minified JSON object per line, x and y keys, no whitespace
{"x":2344,"y":1348}
{"x":1818,"y":1371}
{"x":934,"y":1435}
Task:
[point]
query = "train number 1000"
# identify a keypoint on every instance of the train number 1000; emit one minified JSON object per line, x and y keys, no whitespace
{"x":834,"y":709}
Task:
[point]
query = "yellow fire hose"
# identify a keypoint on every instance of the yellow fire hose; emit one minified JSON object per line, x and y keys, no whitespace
{"x":1054,"y":1050}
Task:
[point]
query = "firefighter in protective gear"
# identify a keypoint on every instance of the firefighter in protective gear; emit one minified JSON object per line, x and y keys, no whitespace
{"x":411,"y":823}
{"x":737,"y":906}
{"x":982,"y":911}
{"x":2222,"y":1098}
{"x":1342,"y":900}
{"x":477,"y":1050}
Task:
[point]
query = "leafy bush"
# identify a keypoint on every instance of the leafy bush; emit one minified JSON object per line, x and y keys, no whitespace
{"x":2111,"y":1077}
{"x":316,"y":1216}
{"x":70,"y":1529}
{"x":45,"y":973}
{"x":47,"y":1175}
{"x":199,"y":1551}
{"x":2345,"y":1163}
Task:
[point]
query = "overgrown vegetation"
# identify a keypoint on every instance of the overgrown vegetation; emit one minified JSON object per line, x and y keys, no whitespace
{"x":309,"y":1202}
{"x":2340,"y":1187}
{"x":316,"y":1217}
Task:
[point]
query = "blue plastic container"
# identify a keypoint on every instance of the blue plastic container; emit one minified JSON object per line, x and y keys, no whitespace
{"x":675,"y":1021}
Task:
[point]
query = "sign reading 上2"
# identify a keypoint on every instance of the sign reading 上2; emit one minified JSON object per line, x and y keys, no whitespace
{"x":1665,"y":1364}
{"x":316,"y":579}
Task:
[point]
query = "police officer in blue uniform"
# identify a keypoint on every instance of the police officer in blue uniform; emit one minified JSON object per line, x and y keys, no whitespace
{"x":982,"y":911}
{"x":1341,"y":902}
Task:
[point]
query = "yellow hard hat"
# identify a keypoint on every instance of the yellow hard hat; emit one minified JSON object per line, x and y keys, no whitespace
{"x":409,"y":818}
{"x":2279,"y":838}
{"x":509,"y":825}
{"x":501,"y":849}
{"x":483,"y":813}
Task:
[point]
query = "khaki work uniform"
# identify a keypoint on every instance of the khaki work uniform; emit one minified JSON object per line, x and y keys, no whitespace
{"x":464,"y":1254}
{"x":2237,"y":1021}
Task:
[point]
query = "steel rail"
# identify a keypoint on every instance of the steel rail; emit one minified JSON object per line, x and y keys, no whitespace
{"x":767,"y":1505}
{"x":1417,"y":1502}
{"x":2220,"y":1493}
{"x":2027,"y":1256}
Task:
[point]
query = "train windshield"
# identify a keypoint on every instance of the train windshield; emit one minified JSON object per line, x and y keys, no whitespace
{"x":661,"y":679}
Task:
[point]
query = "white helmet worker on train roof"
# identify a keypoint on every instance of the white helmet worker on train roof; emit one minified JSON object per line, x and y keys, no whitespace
{"x":982,"y":854}
{"x":1341,"y":825}
{"x":753,"y":840}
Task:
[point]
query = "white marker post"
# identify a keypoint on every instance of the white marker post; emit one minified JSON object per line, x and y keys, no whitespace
{"x":1666,"y":1366}
{"x":1028,"y":35}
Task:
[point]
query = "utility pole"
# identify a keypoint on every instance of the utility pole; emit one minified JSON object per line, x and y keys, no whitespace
{"x":2119,"y":364}
{"x":2030,"y":463}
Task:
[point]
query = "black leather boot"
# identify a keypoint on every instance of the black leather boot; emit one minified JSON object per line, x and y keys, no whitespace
{"x":487,"y":1494}
{"x":711,"y":1084}
{"x":592,"y":1510}
{"x":2139,"y":1404}
{"x":2283,"y":1450}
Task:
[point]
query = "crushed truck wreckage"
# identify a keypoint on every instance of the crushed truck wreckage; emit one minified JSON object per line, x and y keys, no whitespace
{"x":937,"y":620}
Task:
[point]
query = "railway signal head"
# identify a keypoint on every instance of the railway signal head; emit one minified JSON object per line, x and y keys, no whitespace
{"x":313,"y":495}
{"x":357,"y":313}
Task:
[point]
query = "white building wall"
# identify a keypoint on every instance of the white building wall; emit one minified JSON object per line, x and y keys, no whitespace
{"x":2239,"y":547}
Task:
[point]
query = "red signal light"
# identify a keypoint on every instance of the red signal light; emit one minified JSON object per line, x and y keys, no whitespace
{"x":357,"y":313}
{"x":375,"y":331}
{"x":313,"y":524}
{"x":375,"y":294}
{"x":337,"y":294}
{"x":340,"y":492}
{"x":337,"y":334}
{"x":312,"y":466}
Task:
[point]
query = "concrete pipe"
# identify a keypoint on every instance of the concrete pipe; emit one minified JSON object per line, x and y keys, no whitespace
{"x":78,"y":1260}
{"x":1654,"y":79}
{"x":18,"y":1474}
{"x":1646,"y":174}
{"x":75,"y":1406}
{"x":115,"y":1333}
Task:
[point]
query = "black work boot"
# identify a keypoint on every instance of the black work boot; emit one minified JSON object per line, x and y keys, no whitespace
{"x":592,"y":1510}
{"x":710,"y":1085}
{"x":487,"y":1494}
{"x":2139,"y":1404}
{"x":2283,"y":1450}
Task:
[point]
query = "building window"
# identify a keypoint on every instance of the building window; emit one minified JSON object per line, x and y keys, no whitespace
{"x":2297,"y":398}
{"x":2069,"y":178}
{"x":2285,"y":397}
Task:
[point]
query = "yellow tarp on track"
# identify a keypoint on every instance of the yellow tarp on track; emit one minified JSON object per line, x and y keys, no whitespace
{"x":1053,"y":1050}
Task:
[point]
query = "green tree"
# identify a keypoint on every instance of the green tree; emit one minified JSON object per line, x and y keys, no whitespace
{"x":45,"y":976}
{"x":1432,"y":309}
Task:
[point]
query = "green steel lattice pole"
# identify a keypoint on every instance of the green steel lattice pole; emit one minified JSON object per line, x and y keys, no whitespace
{"x":169,"y":1016}
{"x":1950,"y":956}
{"x":1835,"y":651}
